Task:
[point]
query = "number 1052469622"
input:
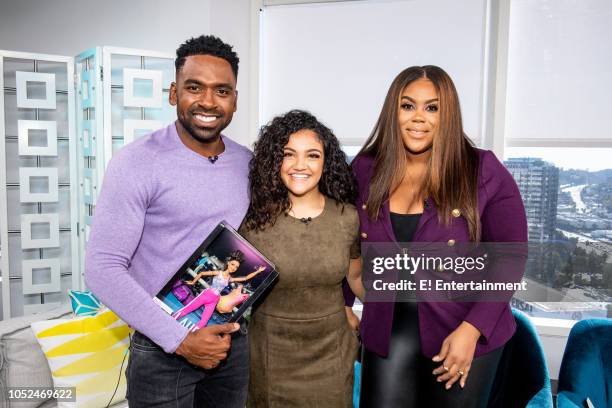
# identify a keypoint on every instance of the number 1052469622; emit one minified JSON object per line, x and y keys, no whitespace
{"x":64,"y":394}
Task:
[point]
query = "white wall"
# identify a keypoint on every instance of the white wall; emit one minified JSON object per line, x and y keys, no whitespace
{"x":67,"y":27}
{"x":230,"y":21}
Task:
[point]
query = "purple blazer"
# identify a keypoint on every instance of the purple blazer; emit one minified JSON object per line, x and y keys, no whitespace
{"x":503,"y":219}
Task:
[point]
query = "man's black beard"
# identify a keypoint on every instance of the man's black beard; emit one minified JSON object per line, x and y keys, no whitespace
{"x":193,"y":132}
{"x":419,"y":152}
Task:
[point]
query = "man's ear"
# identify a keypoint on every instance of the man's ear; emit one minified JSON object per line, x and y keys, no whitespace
{"x":172,"y":95}
{"x":236,"y":101}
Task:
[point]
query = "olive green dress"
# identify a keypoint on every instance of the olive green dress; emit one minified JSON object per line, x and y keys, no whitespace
{"x":302,"y":347}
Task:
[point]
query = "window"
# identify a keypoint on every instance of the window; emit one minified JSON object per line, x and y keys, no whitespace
{"x":558,"y":144}
{"x":337,"y":59}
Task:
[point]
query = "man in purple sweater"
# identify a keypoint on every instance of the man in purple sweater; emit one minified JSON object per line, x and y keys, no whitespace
{"x":161,"y":196}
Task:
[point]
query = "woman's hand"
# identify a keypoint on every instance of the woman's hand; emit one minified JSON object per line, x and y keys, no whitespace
{"x":456,"y":354}
{"x":352,"y":318}
{"x":353,"y":278}
{"x":259,"y":269}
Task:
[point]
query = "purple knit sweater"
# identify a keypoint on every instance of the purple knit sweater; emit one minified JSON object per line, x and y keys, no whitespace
{"x":158,"y":202}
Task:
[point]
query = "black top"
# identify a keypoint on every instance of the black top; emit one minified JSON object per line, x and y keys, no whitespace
{"x":404,"y":226}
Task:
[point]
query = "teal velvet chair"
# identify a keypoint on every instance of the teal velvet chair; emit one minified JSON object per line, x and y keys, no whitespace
{"x":522,"y":378}
{"x":586,"y":368}
{"x":357,"y":384}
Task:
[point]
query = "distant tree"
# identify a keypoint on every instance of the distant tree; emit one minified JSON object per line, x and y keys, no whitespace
{"x":580,"y":261}
{"x":567,"y":274}
{"x":596,"y":262}
{"x":607,"y":279}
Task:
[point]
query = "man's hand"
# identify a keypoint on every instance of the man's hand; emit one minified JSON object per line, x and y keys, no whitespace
{"x":208,"y":346}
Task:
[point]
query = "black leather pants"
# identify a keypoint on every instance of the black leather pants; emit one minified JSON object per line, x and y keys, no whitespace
{"x":404,"y":379}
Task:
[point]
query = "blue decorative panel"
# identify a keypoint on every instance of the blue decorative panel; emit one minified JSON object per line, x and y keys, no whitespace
{"x":87,"y":88}
{"x":88,"y":138}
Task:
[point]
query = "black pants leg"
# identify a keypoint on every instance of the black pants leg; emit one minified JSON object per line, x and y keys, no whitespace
{"x":477,"y":387}
{"x":393,"y":381}
{"x":404,"y":379}
{"x":156,"y":379}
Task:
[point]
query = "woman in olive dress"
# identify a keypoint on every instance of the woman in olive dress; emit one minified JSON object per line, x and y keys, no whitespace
{"x":303,"y":345}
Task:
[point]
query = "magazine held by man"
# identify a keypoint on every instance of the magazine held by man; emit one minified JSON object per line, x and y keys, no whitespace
{"x":219,"y":282}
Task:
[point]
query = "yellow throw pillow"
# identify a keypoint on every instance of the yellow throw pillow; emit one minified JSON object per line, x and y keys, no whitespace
{"x":89,"y":353}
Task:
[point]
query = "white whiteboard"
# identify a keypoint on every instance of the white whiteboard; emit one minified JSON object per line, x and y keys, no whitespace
{"x":337,"y":60}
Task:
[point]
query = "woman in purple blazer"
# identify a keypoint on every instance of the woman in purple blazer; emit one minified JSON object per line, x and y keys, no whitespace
{"x":420,"y":179}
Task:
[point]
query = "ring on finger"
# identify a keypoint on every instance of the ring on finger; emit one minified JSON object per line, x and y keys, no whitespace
{"x":461,"y":373}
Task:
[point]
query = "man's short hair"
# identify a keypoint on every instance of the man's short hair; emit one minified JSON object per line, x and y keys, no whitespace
{"x":206,"y":45}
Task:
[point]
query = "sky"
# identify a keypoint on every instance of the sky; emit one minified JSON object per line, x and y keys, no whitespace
{"x":592,"y":159}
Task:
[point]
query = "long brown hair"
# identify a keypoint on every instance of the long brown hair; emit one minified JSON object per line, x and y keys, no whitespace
{"x":452,"y":177}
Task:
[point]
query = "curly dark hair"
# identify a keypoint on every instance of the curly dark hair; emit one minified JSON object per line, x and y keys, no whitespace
{"x":236,"y":255}
{"x":269,"y":195}
{"x":206,"y":45}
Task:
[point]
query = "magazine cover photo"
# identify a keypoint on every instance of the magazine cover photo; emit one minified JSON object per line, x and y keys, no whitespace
{"x":219,"y":282}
